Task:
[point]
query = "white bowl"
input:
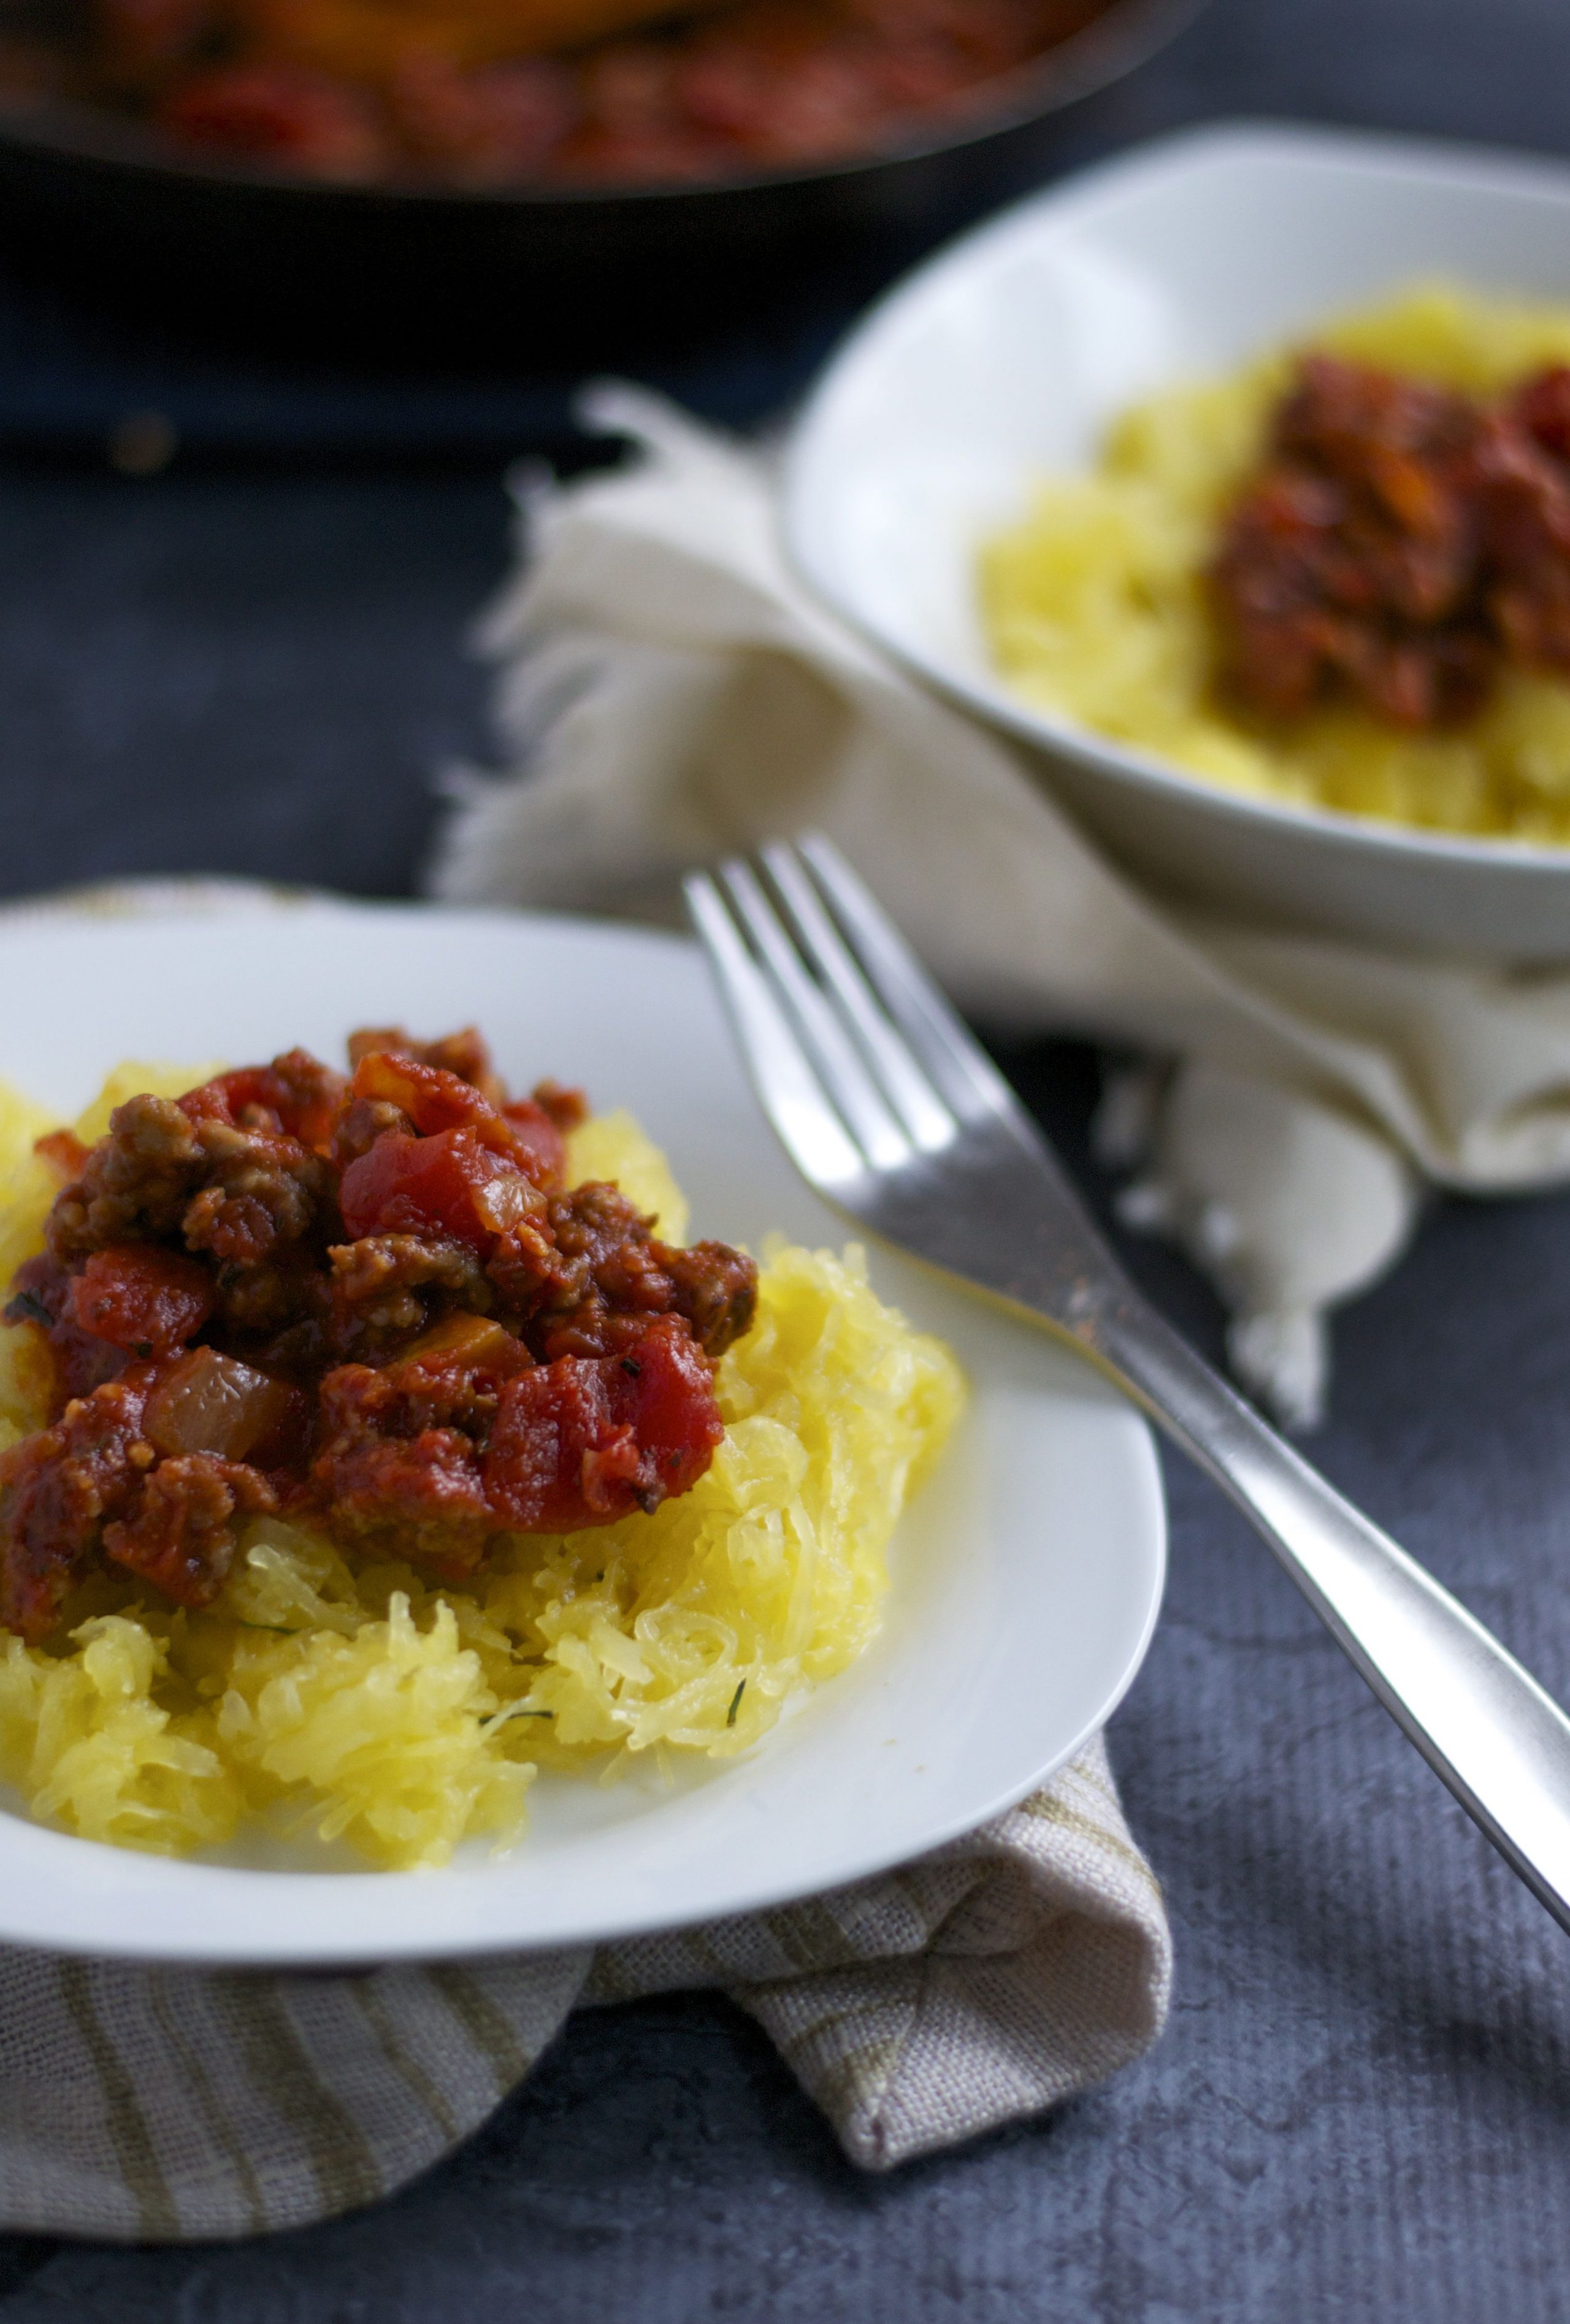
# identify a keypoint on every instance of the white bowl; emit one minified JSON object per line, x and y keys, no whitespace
{"x":1006,"y":356}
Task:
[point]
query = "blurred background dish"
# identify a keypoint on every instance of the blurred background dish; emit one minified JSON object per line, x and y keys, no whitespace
{"x":1006,"y":358}
{"x":505,"y":171}
{"x":568,"y":92}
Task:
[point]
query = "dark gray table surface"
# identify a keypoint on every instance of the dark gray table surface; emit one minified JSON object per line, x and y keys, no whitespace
{"x":1361,"y":2108}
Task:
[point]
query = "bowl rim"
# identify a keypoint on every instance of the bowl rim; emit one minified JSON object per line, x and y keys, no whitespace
{"x":1120,"y":38}
{"x":1478,"y":167}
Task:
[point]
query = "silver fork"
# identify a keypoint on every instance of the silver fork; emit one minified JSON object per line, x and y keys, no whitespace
{"x":890,"y":1109}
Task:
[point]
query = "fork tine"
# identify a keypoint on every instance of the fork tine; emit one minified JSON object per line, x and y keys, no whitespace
{"x":839,"y":1069}
{"x":963,"y":1072}
{"x":792,"y":1097}
{"x":925,"y":1118}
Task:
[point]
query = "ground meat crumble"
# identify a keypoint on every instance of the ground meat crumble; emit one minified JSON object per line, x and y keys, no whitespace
{"x":369,"y":1300}
{"x":1399,"y":548}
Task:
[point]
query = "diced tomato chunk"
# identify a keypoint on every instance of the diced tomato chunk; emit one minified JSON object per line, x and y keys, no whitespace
{"x":588,"y":1439}
{"x":40,"y":1295}
{"x":436,"y":1101}
{"x":540,"y":1137}
{"x":148,"y":1300}
{"x":296,"y":1095}
{"x":447,"y":1184}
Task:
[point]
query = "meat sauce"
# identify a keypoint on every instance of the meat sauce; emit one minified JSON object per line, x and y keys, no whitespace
{"x":459,"y":89}
{"x":1400,"y":546}
{"x":368,"y":1300}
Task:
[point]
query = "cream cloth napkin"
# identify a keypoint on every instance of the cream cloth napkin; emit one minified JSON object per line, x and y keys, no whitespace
{"x":668,"y":691}
{"x":1000,"y":1975}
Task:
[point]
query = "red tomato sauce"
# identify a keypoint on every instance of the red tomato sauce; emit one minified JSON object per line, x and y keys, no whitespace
{"x":369,"y":1300}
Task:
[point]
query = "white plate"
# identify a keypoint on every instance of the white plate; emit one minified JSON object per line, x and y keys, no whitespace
{"x":1006,"y":356}
{"x":1025,"y":1576}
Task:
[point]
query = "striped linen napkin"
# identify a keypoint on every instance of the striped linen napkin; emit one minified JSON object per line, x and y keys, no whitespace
{"x":1000,"y":1975}
{"x":997,"y":1976}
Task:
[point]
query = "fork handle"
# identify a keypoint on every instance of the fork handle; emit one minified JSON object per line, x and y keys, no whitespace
{"x":1483,"y":1722}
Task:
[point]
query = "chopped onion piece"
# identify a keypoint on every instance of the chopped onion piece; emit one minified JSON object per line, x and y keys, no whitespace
{"x":504,"y":1200}
{"x":210,"y":1403}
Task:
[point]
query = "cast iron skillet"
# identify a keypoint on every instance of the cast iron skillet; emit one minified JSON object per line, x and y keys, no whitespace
{"x":519,"y":272}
